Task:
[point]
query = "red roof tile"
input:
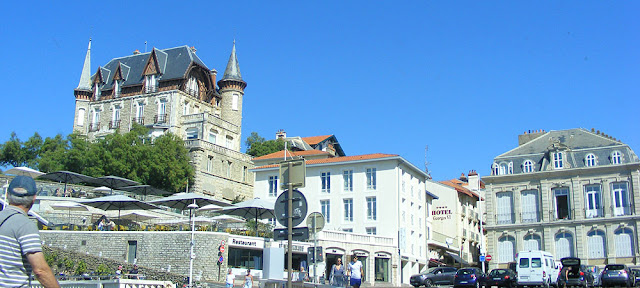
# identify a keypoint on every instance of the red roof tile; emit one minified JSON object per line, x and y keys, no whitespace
{"x":460,"y":187}
{"x":280,"y":154}
{"x":339,"y":159}
{"x":313,"y":140}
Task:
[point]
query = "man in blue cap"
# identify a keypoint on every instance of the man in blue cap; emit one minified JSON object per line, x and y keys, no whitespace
{"x":20,"y":244}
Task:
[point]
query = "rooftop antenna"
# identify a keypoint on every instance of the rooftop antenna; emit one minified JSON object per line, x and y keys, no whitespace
{"x":145,"y":46}
{"x":426,"y":163}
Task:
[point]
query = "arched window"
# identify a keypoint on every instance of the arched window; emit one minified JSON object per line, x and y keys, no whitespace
{"x":616,"y":157}
{"x":564,"y":245}
{"x":527,"y":166}
{"x":494,"y":169}
{"x":213,"y":136}
{"x":229,"y":142}
{"x":624,"y":242}
{"x":510,"y":169}
{"x":506,"y":249}
{"x":596,"y":244}
{"x":590,"y":160}
{"x":532,"y":242}
{"x":503,"y":168}
{"x":81,"y":115}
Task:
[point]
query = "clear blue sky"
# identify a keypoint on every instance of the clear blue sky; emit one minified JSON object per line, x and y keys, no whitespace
{"x":463,"y":77}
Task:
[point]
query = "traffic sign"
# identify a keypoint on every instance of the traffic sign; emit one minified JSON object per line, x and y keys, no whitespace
{"x":221,"y":249}
{"x":482,"y":258}
{"x":299,"y":205}
{"x":315,"y":222}
{"x":298,"y":234}
{"x":488,"y":257}
{"x":296,"y":175}
{"x":221,"y":259}
{"x":318,"y":254}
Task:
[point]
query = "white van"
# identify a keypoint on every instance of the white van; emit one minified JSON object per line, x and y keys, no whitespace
{"x":536,"y":268}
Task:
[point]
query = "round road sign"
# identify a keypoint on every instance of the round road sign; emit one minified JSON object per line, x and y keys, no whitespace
{"x":319,"y":222}
{"x":299,"y":208}
{"x":222,"y":249}
{"x":488,"y":258}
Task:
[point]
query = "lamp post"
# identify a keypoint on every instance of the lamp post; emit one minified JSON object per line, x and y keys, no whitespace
{"x":192,"y":255}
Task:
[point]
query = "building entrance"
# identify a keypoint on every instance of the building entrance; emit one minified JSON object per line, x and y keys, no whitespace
{"x":330,"y":259}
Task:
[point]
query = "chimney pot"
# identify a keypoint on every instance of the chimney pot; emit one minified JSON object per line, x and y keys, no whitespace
{"x":136,"y":52}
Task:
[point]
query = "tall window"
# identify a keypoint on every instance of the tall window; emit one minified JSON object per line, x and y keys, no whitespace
{"x":325,"y":178}
{"x":593,"y":202}
{"x":234,"y":102}
{"x":213,"y":136}
{"x":620,"y":199}
{"x":624,"y":242}
{"x":116,"y":113}
{"x":192,"y":86}
{"x":510,"y":168}
{"x":229,"y":142}
{"x":96,"y":118}
{"x":590,"y":160}
{"x":564,"y":245}
{"x":229,"y":169}
{"x":529,"y":203}
{"x":495,"y":170}
{"x":209,"y":163}
{"x":81,"y":116}
{"x":504,"y":208}
{"x":273,"y":186}
{"x":372,"y":209}
{"x":185,"y":108}
{"x":325,"y":207}
{"x":371,"y":178}
{"x":503,"y":168}
{"x":616,"y":157}
{"x":506,"y":249}
{"x":558,"y":160}
{"x":371,"y":231}
{"x":96,"y":89}
{"x":527,"y":166}
{"x":532,"y":242}
{"x":562,"y":203}
{"x":347,"y":180}
{"x":150,"y":83}
{"x":348,"y":210}
{"x":140,"y":113}
{"x":162,"y":111}
{"x":596,"y":244}
{"x":116,"y":88}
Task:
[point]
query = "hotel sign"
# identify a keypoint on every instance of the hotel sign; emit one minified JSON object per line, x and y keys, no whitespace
{"x":440,"y":213}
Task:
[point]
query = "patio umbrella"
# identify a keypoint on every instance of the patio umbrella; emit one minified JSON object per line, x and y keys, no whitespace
{"x":69,"y":205}
{"x":114,"y":182}
{"x":210,"y":207}
{"x":180,"y":201}
{"x":144,"y":190}
{"x":139,"y":216}
{"x":255,"y":208}
{"x":23,"y":171}
{"x":118,"y":202}
{"x":228,"y":218}
{"x":199,"y":220}
{"x":67,"y":177}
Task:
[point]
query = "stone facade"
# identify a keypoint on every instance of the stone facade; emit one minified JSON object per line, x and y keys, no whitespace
{"x":569,"y":192}
{"x":183,"y":100}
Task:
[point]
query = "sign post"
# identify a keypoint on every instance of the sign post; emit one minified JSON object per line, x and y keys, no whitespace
{"x":316,"y":221}
{"x":292,"y":177}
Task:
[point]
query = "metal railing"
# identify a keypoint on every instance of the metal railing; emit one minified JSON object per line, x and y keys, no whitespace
{"x":355,"y":238}
{"x":193,"y":143}
{"x":594,"y":213}
{"x":505,"y":218}
{"x":94,"y":127}
{"x":111,"y":283}
{"x":115,"y":124}
{"x":160,"y":118}
{"x":529,"y":217}
{"x":139,"y":120}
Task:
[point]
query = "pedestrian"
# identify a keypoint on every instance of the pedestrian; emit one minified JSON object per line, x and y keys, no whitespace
{"x":248,"y":279}
{"x":119,"y":272}
{"x":230,"y":278}
{"x":133,"y":273}
{"x":21,"y":239}
{"x":336,"y":277}
{"x":354,"y":269}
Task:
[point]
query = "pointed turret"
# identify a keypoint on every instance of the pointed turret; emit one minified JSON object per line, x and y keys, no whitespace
{"x":233,"y":69}
{"x":232,"y":94}
{"x":84,"y":86}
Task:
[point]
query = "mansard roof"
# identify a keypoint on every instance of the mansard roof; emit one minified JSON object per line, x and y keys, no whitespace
{"x":577,"y":143}
{"x":173,"y":63}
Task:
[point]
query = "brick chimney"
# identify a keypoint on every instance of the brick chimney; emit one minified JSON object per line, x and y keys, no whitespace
{"x":281,"y":134}
{"x":136,"y":52}
{"x":213,"y":74}
{"x":529,"y":135}
{"x":474,"y":181}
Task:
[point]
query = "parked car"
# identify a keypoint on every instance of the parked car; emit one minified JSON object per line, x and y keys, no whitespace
{"x":617,"y":275}
{"x":434,"y":276}
{"x":636,"y":273}
{"x":536,"y":268}
{"x":597,"y":276}
{"x":501,"y":278}
{"x":469,"y":277}
{"x":574,"y":274}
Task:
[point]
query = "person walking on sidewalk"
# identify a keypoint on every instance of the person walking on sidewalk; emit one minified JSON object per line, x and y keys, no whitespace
{"x":354,"y":269}
{"x":248,"y":279}
{"x":336,"y":278}
{"x":230,"y":278}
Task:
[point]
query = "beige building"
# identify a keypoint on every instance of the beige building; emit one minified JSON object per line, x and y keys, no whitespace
{"x":172,"y":90}
{"x":455,"y":237}
{"x":569,"y":192}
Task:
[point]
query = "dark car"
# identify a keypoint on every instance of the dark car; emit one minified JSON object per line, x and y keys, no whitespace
{"x":574,"y":274}
{"x":434,"y":276}
{"x":501,"y":278}
{"x":636,"y":273}
{"x":617,"y":275}
{"x":469,"y":277}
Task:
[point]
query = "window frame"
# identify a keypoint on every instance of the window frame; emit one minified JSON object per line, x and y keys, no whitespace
{"x":372,"y":208}
{"x":590,"y":160}
{"x":371,"y":178}
{"x":348,"y":209}
{"x":325,"y":209}
{"x":347,"y":180}
{"x":325,"y":182}
{"x":616,"y":157}
{"x":527,"y":166}
{"x":558,"y":160}
{"x":272,"y":186}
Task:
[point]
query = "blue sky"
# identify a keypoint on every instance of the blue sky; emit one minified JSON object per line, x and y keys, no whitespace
{"x":463,"y":77}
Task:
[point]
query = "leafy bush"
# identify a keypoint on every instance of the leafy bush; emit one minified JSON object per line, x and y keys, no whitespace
{"x":81,"y":268}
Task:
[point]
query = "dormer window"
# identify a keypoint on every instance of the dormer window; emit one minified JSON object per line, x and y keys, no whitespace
{"x":150,"y":83}
{"x":527,"y":166}
{"x":116,"y":88}
{"x":590,"y":160}
{"x":494,"y":169}
{"x":616,"y":157}
{"x":192,"y":86}
{"x":558,"y":160}
{"x":96,"y":91}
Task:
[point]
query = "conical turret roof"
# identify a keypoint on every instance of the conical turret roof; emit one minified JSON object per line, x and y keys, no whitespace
{"x":233,"y":69}
{"x":85,"y":77}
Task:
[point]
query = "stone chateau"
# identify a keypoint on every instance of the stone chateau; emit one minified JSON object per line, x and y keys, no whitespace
{"x":172,"y":90}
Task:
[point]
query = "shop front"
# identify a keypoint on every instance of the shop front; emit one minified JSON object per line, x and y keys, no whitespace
{"x":245,"y":253}
{"x":331,"y":256}
{"x":381,"y":264}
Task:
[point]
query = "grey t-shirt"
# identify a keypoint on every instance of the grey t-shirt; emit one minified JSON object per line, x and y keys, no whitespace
{"x":19,"y":236}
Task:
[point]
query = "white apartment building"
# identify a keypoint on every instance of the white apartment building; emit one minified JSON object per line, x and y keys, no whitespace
{"x":375,"y":206}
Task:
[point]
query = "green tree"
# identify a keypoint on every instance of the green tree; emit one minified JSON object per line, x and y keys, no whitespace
{"x":253,"y":138}
{"x":267,"y":147}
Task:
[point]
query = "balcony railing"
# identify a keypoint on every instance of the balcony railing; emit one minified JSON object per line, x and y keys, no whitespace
{"x":505,"y":218}
{"x":594,"y":213}
{"x":355,"y":238}
{"x":94,"y":127}
{"x":115,"y":124}
{"x":139,"y":120}
{"x":160,"y":118}
{"x":529,"y":217}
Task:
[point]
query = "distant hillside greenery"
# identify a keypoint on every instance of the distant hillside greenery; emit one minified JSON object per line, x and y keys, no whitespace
{"x":162,"y":162}
{"x":258,"y":146}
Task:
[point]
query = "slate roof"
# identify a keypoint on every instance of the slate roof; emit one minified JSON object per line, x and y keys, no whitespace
{"x":577,"y":143}
{"x":173,"y":64}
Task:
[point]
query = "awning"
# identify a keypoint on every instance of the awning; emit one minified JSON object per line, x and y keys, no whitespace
{"x":435,"y":263}
{"x":457,"y":258}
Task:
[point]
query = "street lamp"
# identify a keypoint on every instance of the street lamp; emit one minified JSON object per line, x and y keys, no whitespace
{"x":192,"y":254}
